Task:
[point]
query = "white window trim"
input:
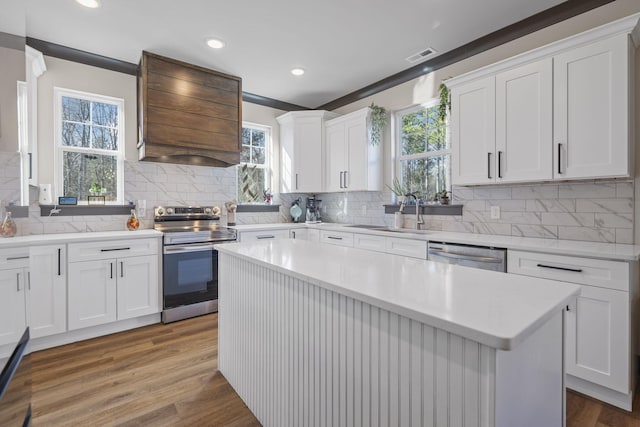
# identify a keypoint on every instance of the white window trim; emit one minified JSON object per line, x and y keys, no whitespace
{"x":58,"y":93}
{"x":397,"y":155}
{"x":267,"y":157}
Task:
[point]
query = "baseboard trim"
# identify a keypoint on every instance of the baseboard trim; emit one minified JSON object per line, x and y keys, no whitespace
{"x":612,"y":397}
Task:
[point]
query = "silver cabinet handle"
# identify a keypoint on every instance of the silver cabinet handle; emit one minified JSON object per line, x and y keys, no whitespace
{"x":29,"y":280}
{"x":489,"y":165}
{"x":455,"y":255}
{"x":345,"y":179}
{"x":121,"y":269}
{"x":111,"y":269}
{"x":59,"y":257}
{"x":293,"y":233}
{"x":341,"y":178}
{"x":334,"y":238}
{"x":114,"y":249}
{"x":266,"y":236}
{"x":499,"y":164}
{"x":14,"y":258}
{"x":296,"y":181}
{"x":18,"y":281}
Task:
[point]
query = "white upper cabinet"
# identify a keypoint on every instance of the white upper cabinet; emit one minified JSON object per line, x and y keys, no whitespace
{"x":524,"y":123}
{"x":301,"y":142}
{"x":352,"y":163}
{"x":591,"y":110}
{"x":558,"y":112}
{"x":473,"y":132}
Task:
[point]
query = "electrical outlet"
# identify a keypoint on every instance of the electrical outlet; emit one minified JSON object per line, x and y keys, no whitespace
{"x":141,"y":206}
{"x":364,"y":210}
{"x":495,"y":212}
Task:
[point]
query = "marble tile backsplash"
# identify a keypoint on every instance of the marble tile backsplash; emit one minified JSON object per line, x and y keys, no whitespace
{"x":601,"y":211}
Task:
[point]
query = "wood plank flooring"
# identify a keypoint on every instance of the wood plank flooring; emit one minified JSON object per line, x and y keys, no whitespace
{"x":166,"y":375}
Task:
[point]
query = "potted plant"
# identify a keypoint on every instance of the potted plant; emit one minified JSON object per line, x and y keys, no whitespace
{"x":96,"y":189}
{"x":398,"y":189}
{"x":443,"y":197}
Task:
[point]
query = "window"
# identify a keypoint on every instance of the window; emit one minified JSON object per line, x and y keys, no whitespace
{"x":423,"y":152}
{"x":253,"y":170}
{"x":89,"y":145}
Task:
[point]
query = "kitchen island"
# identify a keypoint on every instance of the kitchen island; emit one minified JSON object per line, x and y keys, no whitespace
{"x":313,"y":334}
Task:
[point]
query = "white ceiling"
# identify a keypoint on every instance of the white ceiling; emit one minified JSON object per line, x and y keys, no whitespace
{"x":343,"y":45}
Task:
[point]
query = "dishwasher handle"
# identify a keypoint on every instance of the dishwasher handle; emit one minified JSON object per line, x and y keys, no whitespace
{"x":456,"y":255}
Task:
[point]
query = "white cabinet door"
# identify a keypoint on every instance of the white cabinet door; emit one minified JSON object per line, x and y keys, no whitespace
{"x":356,"y":176}
{"x":299,"y":233}
{"x":591,"y":110}
{"x":370,"y":242}
{"x":308,"y":157}
{"x":47,"y":296}
{"x":336,"y":163}
{"x":138,"y":286}
{"x":597,"y":341}
{"x":524,"y":123}
{"x":473,"y":132}
{"x":12,"y":305}
{"x":91,"y":293}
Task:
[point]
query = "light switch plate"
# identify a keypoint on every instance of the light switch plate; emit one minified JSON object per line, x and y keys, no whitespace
{"x":495,"y":212}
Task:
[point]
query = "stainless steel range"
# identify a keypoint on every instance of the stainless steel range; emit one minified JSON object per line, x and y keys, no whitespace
{"x":190,"y":260}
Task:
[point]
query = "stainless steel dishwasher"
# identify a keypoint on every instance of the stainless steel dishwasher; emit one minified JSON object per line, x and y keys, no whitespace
{"x":485,"y":258}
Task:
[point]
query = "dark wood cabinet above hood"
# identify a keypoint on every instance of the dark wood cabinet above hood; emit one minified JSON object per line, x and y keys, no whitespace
{"x":187,"y":114}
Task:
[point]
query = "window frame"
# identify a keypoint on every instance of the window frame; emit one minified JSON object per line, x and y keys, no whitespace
{"x":267,"y":158}
{"x":59,"y":148}
{"x":397,"y":150}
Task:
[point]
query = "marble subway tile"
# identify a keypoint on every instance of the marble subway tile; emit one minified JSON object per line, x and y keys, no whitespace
{"x":551,"y":205}
{"x":487,"y":228}
{"x":624,"y":236}
{"x":456,"y":226}
{"x":605,"y":205}
{"x":507,"y":205}
{"x":535,"y":192}
{"x":462,"y":193}
{"x":521,"y":217}
{"x":603,"y":190}
{"x":568,"y":218}
{"x":609,"y":220}
{"x":474,"y":205}
{"x":543,"y":231}
{"x":590,"y":234}
{"x":492,"y":193}
{"x":477,"y":216}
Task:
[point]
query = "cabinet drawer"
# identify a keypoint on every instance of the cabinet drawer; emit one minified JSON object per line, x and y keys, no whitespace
{"x":586,"y":271}
{"x":407,"y":247}
{"x":370,"y":242}
{"x":14,"y":258}
{"x":252,"y":236}
{"x":112,"y":249}
{"x":336,"y":238}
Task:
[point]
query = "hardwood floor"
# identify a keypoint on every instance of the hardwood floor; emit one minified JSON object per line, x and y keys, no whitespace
{"x":166,"y":375}
{"x":160,"y":375}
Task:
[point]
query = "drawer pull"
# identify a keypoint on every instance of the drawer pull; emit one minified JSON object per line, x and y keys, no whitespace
{"x":266,"y":236}
{"x":14,"y":258}
{"x":573,"y":270}
{"x":59,"y":256}
{"x":114,"y":249}
{"x":334,"y":238}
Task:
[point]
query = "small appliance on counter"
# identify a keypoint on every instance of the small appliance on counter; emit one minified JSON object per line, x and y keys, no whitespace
{"x":313,"y":210}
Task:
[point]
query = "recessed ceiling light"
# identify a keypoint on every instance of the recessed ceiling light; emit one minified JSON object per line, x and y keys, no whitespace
{"x":215,"y":43}
{"x":297,"y":71}
{"x":89,"y":3}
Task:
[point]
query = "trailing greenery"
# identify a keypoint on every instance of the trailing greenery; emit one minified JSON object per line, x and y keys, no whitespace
{"x":378,"y":122}
{"x":445,"y":102}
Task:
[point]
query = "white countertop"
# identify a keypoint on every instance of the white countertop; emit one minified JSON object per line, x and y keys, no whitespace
{"x":612,"y":251}
{"x":274,"y":226}
{"x":45,"y":239}
{"x":496,"y":309}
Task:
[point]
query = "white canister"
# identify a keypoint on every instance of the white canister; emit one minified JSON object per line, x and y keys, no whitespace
{"x":398,"y":220}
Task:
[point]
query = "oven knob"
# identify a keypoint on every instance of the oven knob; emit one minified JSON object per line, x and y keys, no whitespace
{"x":207,"y":211}
{"x":160,"y":211}
{"x":216,"y":210}
{"x":169,"y":211}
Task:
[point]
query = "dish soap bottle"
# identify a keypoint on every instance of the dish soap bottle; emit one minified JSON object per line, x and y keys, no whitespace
{"x":8,"y":227}
{"x":132,"y":221}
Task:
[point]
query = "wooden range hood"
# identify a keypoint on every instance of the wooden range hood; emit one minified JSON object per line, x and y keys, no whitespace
{"x":187,"y":114}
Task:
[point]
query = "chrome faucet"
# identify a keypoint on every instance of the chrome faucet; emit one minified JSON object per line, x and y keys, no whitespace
{"x":419,"y":219}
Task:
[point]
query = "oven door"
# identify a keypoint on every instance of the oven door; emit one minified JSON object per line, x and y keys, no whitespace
{"x":190,"y":274}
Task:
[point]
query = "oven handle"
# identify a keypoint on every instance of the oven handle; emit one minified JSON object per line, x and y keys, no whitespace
{"x":188,"y":248}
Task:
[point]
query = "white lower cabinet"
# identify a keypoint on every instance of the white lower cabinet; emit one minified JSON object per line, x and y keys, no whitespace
{"x":105,"y":290}
{"x":598,"y":326}
{"x":299,"y":233}
{"x":32,"y":292}
{"x":339,"y":238}
{"x":248,"y":236}
{"x":391,"y":245}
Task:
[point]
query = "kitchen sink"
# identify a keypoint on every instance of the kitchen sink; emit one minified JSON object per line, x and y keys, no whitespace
{"x":386,"y":228}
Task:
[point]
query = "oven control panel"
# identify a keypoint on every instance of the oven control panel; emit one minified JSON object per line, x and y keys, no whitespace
{"x":187,"y":212}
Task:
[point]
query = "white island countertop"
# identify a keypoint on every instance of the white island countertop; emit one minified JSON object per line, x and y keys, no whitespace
{"x":496,"y":309}
{"x":51,"y":239}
